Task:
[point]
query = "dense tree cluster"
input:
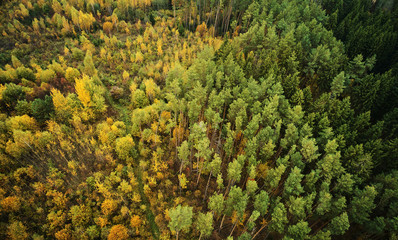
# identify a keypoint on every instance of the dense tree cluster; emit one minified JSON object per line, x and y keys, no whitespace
{"x":201,"y":119}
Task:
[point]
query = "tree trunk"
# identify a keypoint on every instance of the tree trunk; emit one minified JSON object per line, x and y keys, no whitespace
{"x":207,"y":186}
{"x":215,"y":22}
{"x":222,"y":221}
{"x":236,"y":222}
{"x":262,"y":227}
{"x":200,"y":172}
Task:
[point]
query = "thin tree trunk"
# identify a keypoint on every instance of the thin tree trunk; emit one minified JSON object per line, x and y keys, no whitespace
{"x":222,"y":221}
{"x":207,"y":186}
{"x":236,"y":222}
{"x":262,"y":227}
{"x":200,"y":172}
{"x":215,"y":23}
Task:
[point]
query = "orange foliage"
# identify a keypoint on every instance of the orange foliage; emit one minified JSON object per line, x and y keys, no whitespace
{"x":135,"y":221}
{"x":10,"y":204}
{"x":118,"y":232}
{"x":202,"y":29}
{"x":62,"y":235}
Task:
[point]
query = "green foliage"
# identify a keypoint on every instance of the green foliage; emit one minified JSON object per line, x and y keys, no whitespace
{"x":42,"y":110}
{"x":279,"y":218}
{"x":47,"y":75}
{"x":25,"y":73}
{"x":204,"y":224}
{"x":287,"y":132}
{"x":180,"y":218}
{"x":11,"y":95}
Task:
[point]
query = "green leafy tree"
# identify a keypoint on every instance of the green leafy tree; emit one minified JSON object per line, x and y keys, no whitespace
{"x":88,"y":64}
{"x":180,"y":219}
{"x":204,"y":224}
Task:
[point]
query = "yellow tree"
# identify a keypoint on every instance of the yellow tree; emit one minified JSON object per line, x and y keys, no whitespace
{"x":91,"y":96}
{"x":151,"y":89}
{"x":159,"y":47}
{"x":63,"y":110}
{"x":107,"y":27}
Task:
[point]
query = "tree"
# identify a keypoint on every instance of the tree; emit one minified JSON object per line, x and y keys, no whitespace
{"x":236,"y":201}
{"x":234,"y":171}
{"x":47,"y":75}
{"x":204,"y":224}
{"x":180,"y":219}
{"x":108,"y":206}
{"x":135,"y":222}
{"x":89,"y":68}
{"x":42,"y":109}
{"x":215,"y":168}
{"x":71,"y":74}
{"x":362,"y":204}
{"x":338,"y":84}
{"x":183,"y":153}
{"x":216,"y":203}
{"x":17,"y":231}
{"x":91,"y":96}
{"x":279,"y":218}
{"x":124,"y":146}
{"x":107,"y":27}
{"x":261,"y":202}
{"x":11,"y":95}
{"x":299,"y":231}
{"x":293,"y":183}
{"x":340,"y":224}
{"x":118,"y":232}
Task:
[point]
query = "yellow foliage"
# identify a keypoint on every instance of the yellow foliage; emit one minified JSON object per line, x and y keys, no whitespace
{"x":102,"y":222}
{"x":136,"y":197}
{"x":183,"y":180}
{"x":202,"y":29}
{"x":2,"y":88}
{"x":124,"y":146}
{"x":159,"y":45}
{"x":60,"y":102}
{"x":128,"y":43}
{"x":71,"y":74}
{"x":82,"y":93}
{"x":103,"y":53}
{"x":107,"y":27}
{"x":23,"y":122}
{"x":262,"y":170}
{"x":17,"y":231}
{"x":57,"y":7}
{"x":151,"y":89}
{"x":126,"y":75}
{"x":139,"y":58}
{"x":108,"y":206}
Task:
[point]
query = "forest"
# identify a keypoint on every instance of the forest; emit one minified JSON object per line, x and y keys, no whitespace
{"x":199,"y":119}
